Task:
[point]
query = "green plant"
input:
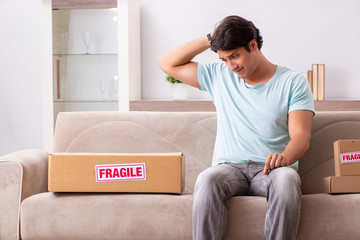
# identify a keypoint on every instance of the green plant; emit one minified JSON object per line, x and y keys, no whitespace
{"x":172,"y":80}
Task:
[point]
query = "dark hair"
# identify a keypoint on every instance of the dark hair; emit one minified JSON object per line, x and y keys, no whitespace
{"x":234,"y":32}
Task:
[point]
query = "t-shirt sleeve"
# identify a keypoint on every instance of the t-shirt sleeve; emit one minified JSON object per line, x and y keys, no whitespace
{"x":206,"y":75}
{"x":301,"y":96}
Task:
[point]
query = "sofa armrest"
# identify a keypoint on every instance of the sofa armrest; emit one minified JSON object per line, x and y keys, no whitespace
{"x":22,"y":174}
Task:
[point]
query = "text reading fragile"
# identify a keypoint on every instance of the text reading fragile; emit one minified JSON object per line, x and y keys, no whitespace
{"x":120,"y":172}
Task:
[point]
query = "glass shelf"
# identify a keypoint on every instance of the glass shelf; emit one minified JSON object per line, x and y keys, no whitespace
{"x":84,"y":54}
{"x":85,"y":101}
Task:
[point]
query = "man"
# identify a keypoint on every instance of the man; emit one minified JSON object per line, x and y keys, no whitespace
{"x":264,"y":114}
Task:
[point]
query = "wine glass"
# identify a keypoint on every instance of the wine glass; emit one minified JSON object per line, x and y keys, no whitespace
{"x":86,"y":39}
{"x":64,"y":42}
{"x":102,"y":87}
{"x":115,"y":85}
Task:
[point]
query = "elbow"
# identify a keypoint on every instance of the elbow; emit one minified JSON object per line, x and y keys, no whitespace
{"x":162,"y":64}
{"x":307,"y":146}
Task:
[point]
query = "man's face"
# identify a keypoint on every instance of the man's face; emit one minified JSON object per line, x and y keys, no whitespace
{"x":240,"y":61}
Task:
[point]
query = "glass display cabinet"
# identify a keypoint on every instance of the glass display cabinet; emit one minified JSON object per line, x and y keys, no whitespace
{"x":93,"y":68}
{"x":85,"y":59}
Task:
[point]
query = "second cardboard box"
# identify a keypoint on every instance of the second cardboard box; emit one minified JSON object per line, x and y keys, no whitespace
{"x":347,"y":158}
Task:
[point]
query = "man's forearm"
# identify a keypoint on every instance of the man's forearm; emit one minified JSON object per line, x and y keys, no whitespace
{"x":300,"y":133}
{"x":183,"y":54}
{"x":295,"y":149}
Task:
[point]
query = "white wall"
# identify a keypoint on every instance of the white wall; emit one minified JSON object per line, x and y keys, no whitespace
{"x":296,"y":34}
{"x":21,"y":120}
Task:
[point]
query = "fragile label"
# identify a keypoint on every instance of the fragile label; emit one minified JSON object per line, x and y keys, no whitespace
{"x":120,"y":172}
{"x":350,"y":157}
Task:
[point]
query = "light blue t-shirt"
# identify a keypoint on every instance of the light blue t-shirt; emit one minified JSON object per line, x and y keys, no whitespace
{"x":252,"y":121}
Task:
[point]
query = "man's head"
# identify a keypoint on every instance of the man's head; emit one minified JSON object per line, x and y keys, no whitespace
{"x":234,"y":32}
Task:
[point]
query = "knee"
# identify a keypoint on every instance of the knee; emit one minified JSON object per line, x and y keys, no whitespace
{"x":286,"y":181}
{"x":207,"y":180}
{"x":211,"y":181}
{"x":211,"y":188}
{"x":286,"y":175}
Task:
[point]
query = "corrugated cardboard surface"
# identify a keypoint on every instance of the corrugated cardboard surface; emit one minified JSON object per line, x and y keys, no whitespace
{"x":76,"y":173}
{"x":346,"y":169}
{"x":343,"y":184}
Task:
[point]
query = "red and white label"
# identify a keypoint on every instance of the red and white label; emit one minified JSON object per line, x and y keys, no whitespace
{"x":120,"y":172}
{"x":350,"y":157}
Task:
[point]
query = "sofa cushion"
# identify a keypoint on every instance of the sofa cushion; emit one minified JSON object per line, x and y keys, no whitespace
{"x":328,"y":217}
{"x":106,"y":216}
{"x":323,"y":217}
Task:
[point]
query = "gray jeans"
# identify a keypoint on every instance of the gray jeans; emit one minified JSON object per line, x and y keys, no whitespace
{"x":216,"y":185}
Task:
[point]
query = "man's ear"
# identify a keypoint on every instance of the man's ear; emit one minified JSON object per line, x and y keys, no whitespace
{"x":253,"y":45}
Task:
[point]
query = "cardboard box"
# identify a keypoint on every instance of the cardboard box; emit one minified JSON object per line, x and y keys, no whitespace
{"x":343,"y":184}
{"x":146,"y":173}
{"x":347,"y":157}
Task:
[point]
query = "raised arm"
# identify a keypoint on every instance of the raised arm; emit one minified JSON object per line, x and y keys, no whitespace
{"x":178,"y":62}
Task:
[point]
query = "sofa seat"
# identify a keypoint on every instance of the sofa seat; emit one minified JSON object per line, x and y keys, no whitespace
{"x":106,"y":216}
{"x":119,"y":216}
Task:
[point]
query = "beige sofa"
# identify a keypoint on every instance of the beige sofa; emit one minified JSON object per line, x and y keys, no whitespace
{"x":27,"y":209}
